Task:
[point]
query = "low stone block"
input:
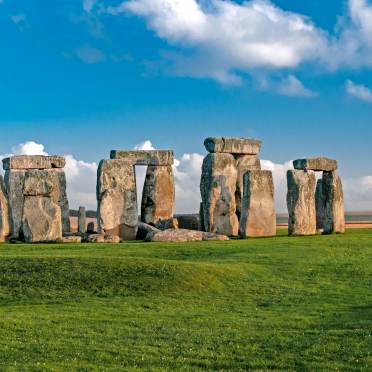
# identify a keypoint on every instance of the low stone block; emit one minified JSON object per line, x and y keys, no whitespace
{"x":182,"y":235}
{"x":117,"y":199}
{"x":301,"y":202}
{"x":316,"y":164}
{"x":334,"y":212}
{"x":73,"y":239}
{"x":145,"y":230}
{"x":233,"y":145}
{"x":153,"y":157}
{"x":33,"y":162}
{"x":258,"y":217}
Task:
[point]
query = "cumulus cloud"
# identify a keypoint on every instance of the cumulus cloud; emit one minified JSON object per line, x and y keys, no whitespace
{"x":359,"y":91}
{"x":358,"y":193}
{"x":90,"y":55}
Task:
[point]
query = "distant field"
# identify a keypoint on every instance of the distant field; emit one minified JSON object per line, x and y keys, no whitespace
{"x":267,"y":304}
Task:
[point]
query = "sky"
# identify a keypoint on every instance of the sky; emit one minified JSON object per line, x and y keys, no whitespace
{"x":82,"y":77}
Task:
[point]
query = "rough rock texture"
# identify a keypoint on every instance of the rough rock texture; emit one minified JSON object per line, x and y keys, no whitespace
{"x":201,"y":226}
{"x":112,"y":239}
{"x":182,"y":235}
{"x":319,"y":205}
{"x":171,"y":223}
{"x":4,"y":212}
{"x":233,"y":145}
{"x":188,"y":221}
{"x":95,"y":238}
{"x":334,"y":216}
{"x":82,"y":220}
{"x":33,"y":162}
{"x":41,"y":221}
{"x":90,"y":228}
{"x":301,"y":202}
{"x":244,"y":163}
{"x":144,"y":230}
{"x":158,"y":195}
{"x":73,"y":239}
{"x":316,"y":164}
{"x":39,"y":183}
{"x":60,"y":195}
{"x":218,"y":187}
{"x":258,"y":217}
{"x":154,"y":157}
{"x":117,"y":199}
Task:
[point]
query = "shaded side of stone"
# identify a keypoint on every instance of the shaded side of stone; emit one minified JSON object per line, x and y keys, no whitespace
{"x":320,"y":205}
{"x":232,"y":145}
{"x":301,"y":202}
{"x":153,"y":157}
{"x":117,"y":199}
{"x":158,"y":195}
{"x":334,"y":216}
{"x":316,"y":164}
{"x":244,"y":163}
{"x":188,"y":221}
{"x":5,"y":229}
{"x":218,"y":188}
{"x":201,"y":218}
{"x":258,"y":209}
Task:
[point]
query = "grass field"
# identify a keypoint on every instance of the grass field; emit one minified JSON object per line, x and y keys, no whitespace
{"x":268,"y":304}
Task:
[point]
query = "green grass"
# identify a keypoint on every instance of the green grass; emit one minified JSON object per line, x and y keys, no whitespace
{"x":266,"y":304}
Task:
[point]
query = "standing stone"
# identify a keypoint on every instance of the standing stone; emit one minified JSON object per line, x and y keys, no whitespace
{"x":82,"y":220}
{"x":117,"y":199}
{"x":158,"y":196}
{"x":218,"y":187}
{"x":60,"y":196}
{"x":301,"y":202}
{"x":4,"y":212}
{"x":320,"y":205}
{"x":334,"y":218}
{"x":244,"y":163}
{"x":41,"y":219}
{"x":90,"y":228}
{"x":258,"y":210}
{"x":201,"y":218}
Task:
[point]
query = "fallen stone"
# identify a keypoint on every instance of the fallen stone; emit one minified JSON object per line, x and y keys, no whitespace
{"x":244,"y":163}
{"x":319,"y":205}
{"x":117,"y":199}
{"x":4,"y":212}
{"x":41,"y":221}
{"x":95,"y":238}
{"x":334,"y":216}
{"x":233,"y":145}
{"x":171,"y":223}
{"x":70,"y":240}
{"x":112,"y":239}
{"x":316,"y":164}
{"x":144,"y":230}
{"x":33,"y":162}
{"x":158,"y":195}
{"x":82,"y":220}
{"x":151,"y":158}
{"x":182,"y":235}
{"x":218,"y":187}
{"x":258,"y":217}
{"x":301,"y":202}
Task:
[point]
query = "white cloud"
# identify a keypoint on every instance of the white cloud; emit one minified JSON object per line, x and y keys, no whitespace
{"x":29,"y":148}
{"x":18,"y":18}
{"x":292,"y":87}
{"x":90,"y":55}
{"x":359,"y":91}
{"x":146,"y":145}
{"x":88,"y":5}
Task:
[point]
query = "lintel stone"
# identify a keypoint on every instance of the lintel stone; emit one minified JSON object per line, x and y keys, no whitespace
{"x":319,"y":164}
{"x":142,"y":157}
{"x":33,"y":162}
{"x":233,"y":145}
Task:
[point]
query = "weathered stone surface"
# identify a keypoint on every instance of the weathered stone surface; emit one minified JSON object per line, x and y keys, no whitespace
{"x":117,"y":199}
{"x":144,"y":230}
{"x":82,"y":220}
{"x":60,"y":196}
{"x":316,"y":164}
{"x":142,"y":157}
{"x":33,"y":162}
{"x":244,"y":163}
{"x":73,"y":239}
{"x":14,"y":181}
{"x":319,"y":205}
{"x":39,"y":183}
{"x":218,"y":187}
{"x":334,"y":216}
{"x":171,"y":223}
{"x":233,"y":145}
{"x":182,"y":235}
{"x":95,"y":238}
{"x":201,"y":218}
{"x":90,"y":228}
{"x":4,"y":212}
{"x":258,"y":217}
{"x":158,"y":195}
{"x":112,"y":239}
{"x":42,"y":220}
{"x":301,"y":202}
{"x":188,"y":221}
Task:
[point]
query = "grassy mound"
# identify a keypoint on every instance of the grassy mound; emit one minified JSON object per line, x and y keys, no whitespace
{"x":280,"y":303}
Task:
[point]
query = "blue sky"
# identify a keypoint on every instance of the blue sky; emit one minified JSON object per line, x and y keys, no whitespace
{"x":82,"y":77}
